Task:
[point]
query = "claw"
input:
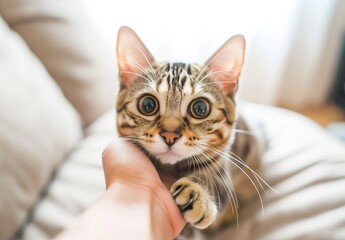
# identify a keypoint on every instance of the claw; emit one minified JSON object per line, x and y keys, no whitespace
{"x":178,"y":190}
{"x":188,"y":205}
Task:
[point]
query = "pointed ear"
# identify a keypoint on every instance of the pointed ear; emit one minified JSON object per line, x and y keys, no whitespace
{"x":132,"y":55}
{"x":226,"y":64}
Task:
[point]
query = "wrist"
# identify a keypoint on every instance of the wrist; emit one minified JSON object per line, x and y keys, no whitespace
{"x":154,"y":195}
{"x":127,"y":170}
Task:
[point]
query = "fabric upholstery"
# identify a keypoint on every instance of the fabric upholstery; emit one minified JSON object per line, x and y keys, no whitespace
{"x":302,"y":162}
{"x":38,"y":127}
{"x":77,"y":184}
{"x":305,"y":164}
{"x":67,"y":43}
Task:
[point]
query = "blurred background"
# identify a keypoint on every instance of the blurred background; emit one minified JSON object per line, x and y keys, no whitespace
{"x":295,"y":49}
{"x":58,"y":80}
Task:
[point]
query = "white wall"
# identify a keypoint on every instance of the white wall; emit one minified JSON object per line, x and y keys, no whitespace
{"x":287,"y":40}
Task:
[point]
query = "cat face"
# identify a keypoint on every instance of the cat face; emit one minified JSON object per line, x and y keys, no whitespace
{"x":176,"y":111}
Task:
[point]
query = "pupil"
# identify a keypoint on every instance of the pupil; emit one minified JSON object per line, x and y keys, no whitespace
{"x":148,"y":105}
{"x":200,"y":108}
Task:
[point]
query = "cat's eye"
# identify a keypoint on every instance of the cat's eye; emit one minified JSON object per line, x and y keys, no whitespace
{"x":199,"y":108}
{"x":148,"y":105}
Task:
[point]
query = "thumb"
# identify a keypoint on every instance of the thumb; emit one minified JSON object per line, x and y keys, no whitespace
{"x":123,"y":162}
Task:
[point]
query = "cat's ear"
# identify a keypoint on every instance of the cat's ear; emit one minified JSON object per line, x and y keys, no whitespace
{"x":132,"y":55}
{"x":226,"y":64}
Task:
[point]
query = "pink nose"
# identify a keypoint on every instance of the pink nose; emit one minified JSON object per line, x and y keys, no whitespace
{"x":169,"y":137}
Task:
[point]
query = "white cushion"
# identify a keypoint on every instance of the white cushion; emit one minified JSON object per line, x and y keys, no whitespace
{"x":67,"y":43}
{"x":77,"y":184}
{"x":305,"y":164}
{"x":38,"y":127}
{"x":302,"y":161}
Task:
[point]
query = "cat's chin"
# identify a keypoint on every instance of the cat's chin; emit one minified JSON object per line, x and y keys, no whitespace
{"x":168,"y":158}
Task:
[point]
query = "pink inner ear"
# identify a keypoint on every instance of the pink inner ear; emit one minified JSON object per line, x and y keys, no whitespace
{"x":226,"y":80}
{"x":132,"y":55}
{"x":226,"y":63}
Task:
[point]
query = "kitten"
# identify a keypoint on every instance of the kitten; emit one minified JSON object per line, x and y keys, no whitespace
{"x":183,"y":117}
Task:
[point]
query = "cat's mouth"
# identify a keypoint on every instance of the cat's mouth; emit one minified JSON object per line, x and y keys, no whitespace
{"x":168,"y":157}
{"x":168,"y":154}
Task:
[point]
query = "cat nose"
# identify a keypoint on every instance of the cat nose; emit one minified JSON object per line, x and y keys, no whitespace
{"x":169,"y":137}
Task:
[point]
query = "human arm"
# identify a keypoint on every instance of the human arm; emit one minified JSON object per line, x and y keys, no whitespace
{"x":136,"y":204}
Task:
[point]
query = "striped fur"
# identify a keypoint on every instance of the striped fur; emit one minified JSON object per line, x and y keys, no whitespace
{"x":175,"y":87}
{"x":204,"y":159}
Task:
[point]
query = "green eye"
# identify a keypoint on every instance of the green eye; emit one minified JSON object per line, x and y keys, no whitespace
{"x":199,"y":108}
{"x":148,"y":105}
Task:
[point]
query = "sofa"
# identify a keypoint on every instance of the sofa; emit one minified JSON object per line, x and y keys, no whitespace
{"x":58,"y":83}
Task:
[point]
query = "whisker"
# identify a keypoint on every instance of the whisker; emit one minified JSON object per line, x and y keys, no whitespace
{"x":193,"y":165}
{"x":189,"y":164}
{"x":131,"y":139}
{"x":249,"y":178}
{"x":254,"y":133}
{"x":192,"y":160}
{"x":229,"y":187}
{"x":147,"y":60}
{"x":214,"y":184}
{"x":243,"y":163}
{"x":210,"y":61}
{"x":221,"y":82}
{"x":252,"y":171}
{"x":136,"y":65}
{"x":140,"y":75}
{"x":199,"y":162}
{"x":228,"y":72}
{"x":234,"y":195}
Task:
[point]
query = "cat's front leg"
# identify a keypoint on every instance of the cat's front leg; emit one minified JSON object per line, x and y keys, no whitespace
{"x":195,"y":202}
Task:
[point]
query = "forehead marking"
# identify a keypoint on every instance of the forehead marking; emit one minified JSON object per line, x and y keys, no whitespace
{"x":163,"y":86}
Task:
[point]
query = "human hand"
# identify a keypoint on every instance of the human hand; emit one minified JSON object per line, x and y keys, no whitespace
{"x":125,"y":164}
{"x":136,"y":204}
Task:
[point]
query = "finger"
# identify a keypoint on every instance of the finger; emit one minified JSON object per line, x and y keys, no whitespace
{"x":123,"y":161}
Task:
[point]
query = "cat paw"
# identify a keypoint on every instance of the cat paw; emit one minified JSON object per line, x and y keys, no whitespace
{"x":195,"y":203}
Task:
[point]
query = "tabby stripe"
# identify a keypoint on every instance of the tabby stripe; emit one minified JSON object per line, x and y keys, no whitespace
{"x":176,"y":77}
{"x":122,"y":107}
{"x":189,"y":70}
{"x":137,"y":119}
{"x":186,"y":121}
{"x":168,"y":80}
{"x":218,"y":133}
{"x":200,"y":220}
{"x":158,"y":84}
{"x":204,"y":164}
{"x":156,"y":121}
{"x":213,"y":121}
{"x":126,"y":125}
{"x":183,"y":81}
{"x":167,"y":69}
{"x":225,"y":113}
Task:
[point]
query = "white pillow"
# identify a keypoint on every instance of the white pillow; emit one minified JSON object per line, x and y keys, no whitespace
{"x":38,"y":127}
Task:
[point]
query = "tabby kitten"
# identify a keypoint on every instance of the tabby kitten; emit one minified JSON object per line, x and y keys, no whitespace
{"x":183,"y":117}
